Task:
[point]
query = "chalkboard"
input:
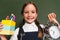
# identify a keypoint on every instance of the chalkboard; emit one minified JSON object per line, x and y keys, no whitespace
{"x":44,"y":8}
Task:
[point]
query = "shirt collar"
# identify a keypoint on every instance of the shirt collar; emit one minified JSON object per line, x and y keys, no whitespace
{"x":30,"y":27}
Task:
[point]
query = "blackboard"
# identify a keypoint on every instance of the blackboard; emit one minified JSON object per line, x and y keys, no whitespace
{"x":44,"y":8}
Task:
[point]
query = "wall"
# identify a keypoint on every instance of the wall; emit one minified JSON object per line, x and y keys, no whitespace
{"x":44,"y":8}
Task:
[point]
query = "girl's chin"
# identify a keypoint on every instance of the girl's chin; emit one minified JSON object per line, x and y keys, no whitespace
{"x":30,"y":22}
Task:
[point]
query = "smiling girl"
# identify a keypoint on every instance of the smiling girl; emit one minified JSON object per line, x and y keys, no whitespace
{"x":30,"y":28}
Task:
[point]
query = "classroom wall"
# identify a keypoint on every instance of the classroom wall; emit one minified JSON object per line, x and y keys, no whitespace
{"x":44,"y":8}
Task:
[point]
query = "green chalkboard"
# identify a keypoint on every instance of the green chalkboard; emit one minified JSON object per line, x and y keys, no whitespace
{"x":44,"y":8}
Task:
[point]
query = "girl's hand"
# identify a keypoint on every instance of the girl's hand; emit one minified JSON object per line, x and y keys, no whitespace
{"x":2,"y":36}
{"x":1,"y":26}
{"x":52,"y":17}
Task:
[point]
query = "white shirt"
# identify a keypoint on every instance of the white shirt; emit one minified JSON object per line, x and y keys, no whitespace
{"x":27,"y":28}
{"x":30,"y":27}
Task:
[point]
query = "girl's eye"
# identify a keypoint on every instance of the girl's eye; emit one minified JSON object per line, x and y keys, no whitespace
{"x":26,"y":12}
{"x":33,"y":12}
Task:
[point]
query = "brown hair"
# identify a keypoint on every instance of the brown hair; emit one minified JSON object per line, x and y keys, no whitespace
{"x":27,"y":3}
{"x":40,"y":30}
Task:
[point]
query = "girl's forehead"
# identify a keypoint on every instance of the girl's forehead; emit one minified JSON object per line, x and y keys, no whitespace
{"x":30,"y":6}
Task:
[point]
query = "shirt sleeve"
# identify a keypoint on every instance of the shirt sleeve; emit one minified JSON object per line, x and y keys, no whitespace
{"x":42,"y":26}
{"x":14,"y":36}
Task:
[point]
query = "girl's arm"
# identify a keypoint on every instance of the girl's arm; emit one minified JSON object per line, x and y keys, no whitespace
{"x":52,"y":18}
{"x":2,"y":37}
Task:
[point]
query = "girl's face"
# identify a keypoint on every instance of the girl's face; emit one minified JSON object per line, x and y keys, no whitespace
{"x":30,"y":13}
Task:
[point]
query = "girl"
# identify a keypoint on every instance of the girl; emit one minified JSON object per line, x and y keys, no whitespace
{"x":30,"y":28}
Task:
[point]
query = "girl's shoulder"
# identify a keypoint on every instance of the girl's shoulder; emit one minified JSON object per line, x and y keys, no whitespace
{"x":16,"y":31}
{"x":14,"y":36}
{"x":42,"y":25}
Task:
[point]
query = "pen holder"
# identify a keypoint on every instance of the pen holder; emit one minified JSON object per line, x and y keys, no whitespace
{"x":8,"y":27}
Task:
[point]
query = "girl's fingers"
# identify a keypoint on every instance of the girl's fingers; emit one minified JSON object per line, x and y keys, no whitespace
{"x":1,"y":26}
{"x":51,"y":16}
{"x":3,"y":37}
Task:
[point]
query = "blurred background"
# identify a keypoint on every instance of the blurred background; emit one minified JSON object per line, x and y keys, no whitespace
{"x":44,"y":8}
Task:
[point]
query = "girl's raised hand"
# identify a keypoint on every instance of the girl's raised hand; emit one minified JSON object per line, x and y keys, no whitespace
{"x":52,"y":17}
{"x":1,"y":26}
{"x":2,"y":36}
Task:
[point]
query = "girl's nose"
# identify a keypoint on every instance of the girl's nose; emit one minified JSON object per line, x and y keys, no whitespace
{"x":29,"y":14}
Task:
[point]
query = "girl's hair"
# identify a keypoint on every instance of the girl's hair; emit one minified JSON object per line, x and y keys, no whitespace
{"x":27,"y":3}
{"x":40,"y":30}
